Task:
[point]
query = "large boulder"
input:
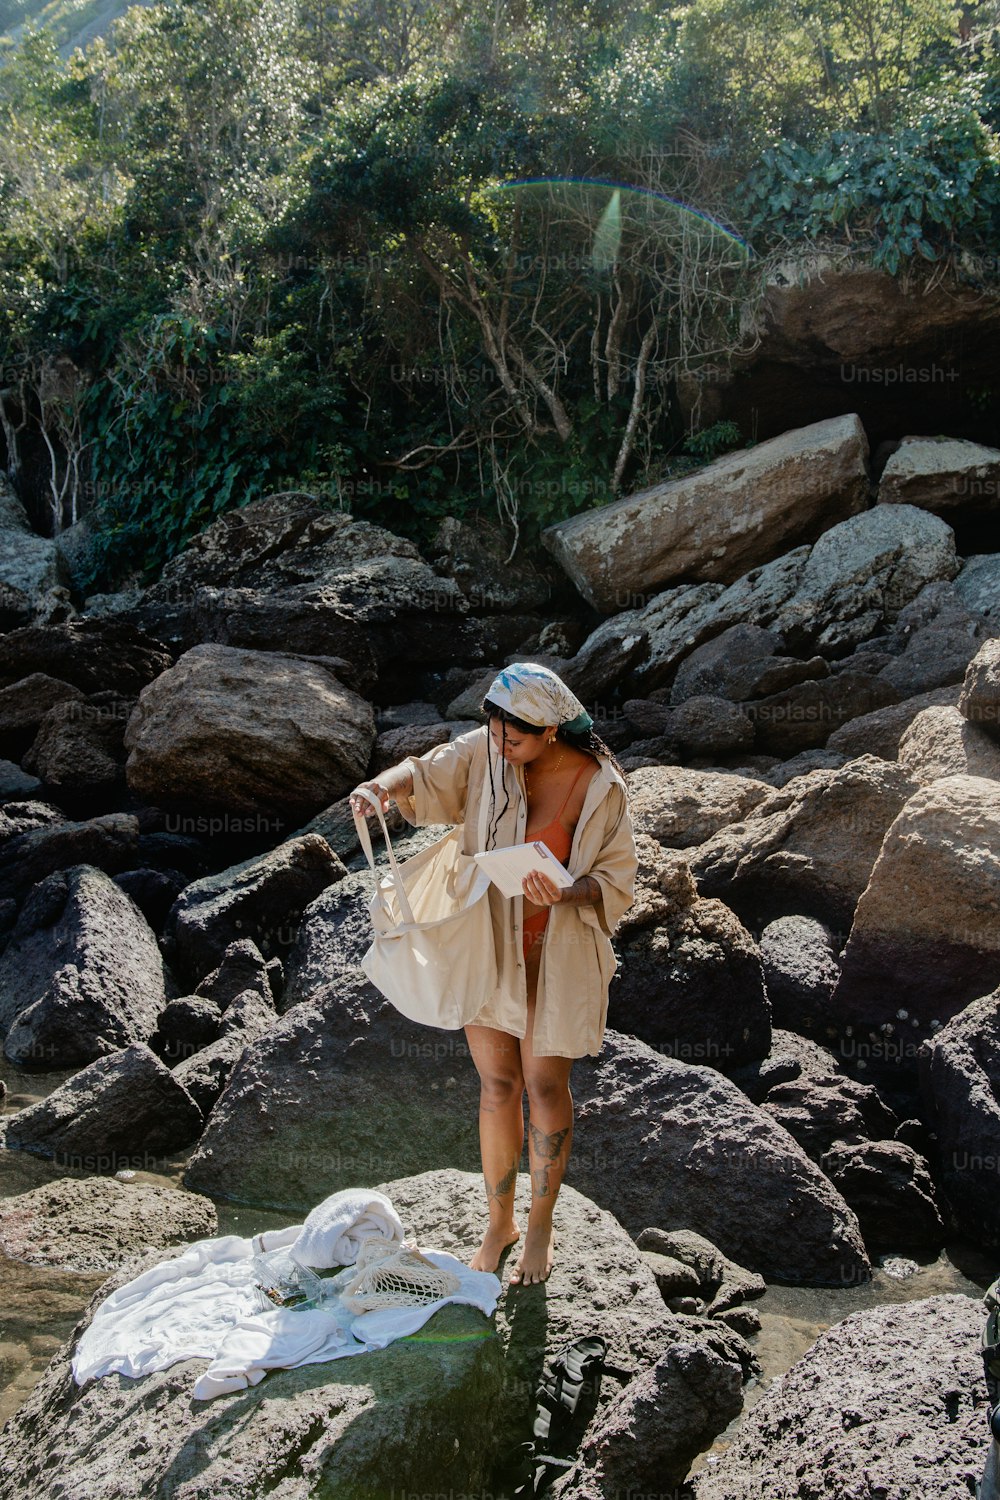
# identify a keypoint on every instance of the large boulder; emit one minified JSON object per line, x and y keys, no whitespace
{"x":675,"y":1146}
{"x":207,"y":1070}
{"x":940,"y":742}
{"x":263,"y":898}
{"x":680,"y":807}
{"x":296,"y":573}
{"x":691,"y":983}
{"x":82,"y":975}
{"x":924,"y":939}
{"x":30,"y":854}
{"x":856,"y":580}
{"x":944,"y":475}
{"x":978,"y":584}
{"x":807,"y":849}
{"x":25,"y":703}
{"x":96,"y":656}
{"x":248,"y":731}
{"x":888,"y":1402}
{"x":742,"y":663}
{"x":123,"y":1112}
{"x":960,"y":1081}
{"x":97,"y":1223}
{"x":450,"y":1405}
{"x":716,"y":524}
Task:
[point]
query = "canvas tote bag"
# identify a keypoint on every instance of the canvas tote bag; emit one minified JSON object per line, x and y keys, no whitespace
{"x":433,"y":955}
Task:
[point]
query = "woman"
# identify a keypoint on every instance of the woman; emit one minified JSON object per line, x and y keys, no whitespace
{"x":537,"y":770}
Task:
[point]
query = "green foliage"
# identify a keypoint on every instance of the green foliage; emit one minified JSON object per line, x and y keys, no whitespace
{"x":709,"y":442}
{"x":923,"y":190}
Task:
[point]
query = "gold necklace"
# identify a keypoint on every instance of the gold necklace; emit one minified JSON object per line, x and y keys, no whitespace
{"x":555,"y":768}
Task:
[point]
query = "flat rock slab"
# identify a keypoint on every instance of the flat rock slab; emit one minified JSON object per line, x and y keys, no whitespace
{"x":719,"y":522}
{"x":98,"y":1223}
{"x":889,"y":1403}
{"x":944,"y":476}
{"x":427,"y":1413}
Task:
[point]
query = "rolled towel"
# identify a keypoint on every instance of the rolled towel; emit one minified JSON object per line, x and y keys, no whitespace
{"x":332,"y":1233}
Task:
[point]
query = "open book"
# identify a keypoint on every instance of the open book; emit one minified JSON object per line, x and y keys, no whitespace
{"x":508,"y":867}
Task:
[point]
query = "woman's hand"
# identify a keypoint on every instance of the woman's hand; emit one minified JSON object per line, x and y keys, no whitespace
{"x":540,"y":889}
{"x":362,"y":805}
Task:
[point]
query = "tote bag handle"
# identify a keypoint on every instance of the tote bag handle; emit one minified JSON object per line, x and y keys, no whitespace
{"x":364,"y":837}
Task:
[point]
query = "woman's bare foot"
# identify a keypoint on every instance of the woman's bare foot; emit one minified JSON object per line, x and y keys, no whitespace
{"x":535,"y":1261}
{"x":495,"y":1241}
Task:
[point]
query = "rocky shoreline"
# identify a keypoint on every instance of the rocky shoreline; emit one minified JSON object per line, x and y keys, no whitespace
{"x":802,"y":1068}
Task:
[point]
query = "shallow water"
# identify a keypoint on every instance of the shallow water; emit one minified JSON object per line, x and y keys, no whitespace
{"x":40,"y":1307}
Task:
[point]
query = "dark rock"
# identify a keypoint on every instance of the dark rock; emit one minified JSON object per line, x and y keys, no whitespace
{"x":821,"y":1111}
{"x":80,"y":746}
{"x":395,"y":745}
{"x":263,"y":898}
{"x":184,"y":1026}
{"x":109,"y":843}
{"x":477,"y":557}
{"x":673,"y":1277}
{"x":94,"y":655}
{"x":701,"y":1156}
{"x":153,"y":891}
{"x":15,"y":783}
{"x":804,"y":716}
{"x":960,"y":1082}
{"x":98,"y":1223}
{"x":808,"y":848}
{"x":206,"y":1072}
{"x":22,"y":817}
{"x":708,"y":726}
{"x":801,"y":764}
{"x":889,"y":1187}
{"x":242,"y":968}
{"x":723,"y":1283}
{"x":691,"y":983}
{"x":114,"y":1114}
{"x":791,"y":1057}
{"x":801,"y":969}
{"x":742,"y":1320}
{"x":879,"y":733}
{"x":740,"y":664}
{"x":659,"y":1423}
{"x":16,"y":607}
{"x":25,"y":703}
{"x":891,"y":1401}
{"x":82,"y":975}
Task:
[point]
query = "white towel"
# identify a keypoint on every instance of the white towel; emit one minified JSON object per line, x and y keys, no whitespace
{"x":203,"y":1305}
{"x":333,"y":1231}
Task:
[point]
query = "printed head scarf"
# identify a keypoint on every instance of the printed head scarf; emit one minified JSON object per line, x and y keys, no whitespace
{"x":536,"y":695}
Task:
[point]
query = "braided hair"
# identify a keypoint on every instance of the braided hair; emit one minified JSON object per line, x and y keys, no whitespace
{"x":581,"y":739}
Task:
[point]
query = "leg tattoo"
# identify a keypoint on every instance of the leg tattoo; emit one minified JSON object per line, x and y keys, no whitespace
{"x":545,"y":1151}
{"x":494,"y":1194}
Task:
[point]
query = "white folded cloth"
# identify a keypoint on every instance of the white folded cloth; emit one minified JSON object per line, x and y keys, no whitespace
{"x":203,"y":1304}
{"x":333,"y":1231}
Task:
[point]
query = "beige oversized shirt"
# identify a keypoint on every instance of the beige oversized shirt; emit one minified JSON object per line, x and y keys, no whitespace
{"x":451,"y":784}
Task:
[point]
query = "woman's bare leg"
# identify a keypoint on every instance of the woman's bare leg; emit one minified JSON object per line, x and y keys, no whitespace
{"x":550,"y":1136}
{"x":501,"y":1135}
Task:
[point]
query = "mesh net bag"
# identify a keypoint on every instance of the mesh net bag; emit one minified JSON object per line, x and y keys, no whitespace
{"x":393,"y":1275}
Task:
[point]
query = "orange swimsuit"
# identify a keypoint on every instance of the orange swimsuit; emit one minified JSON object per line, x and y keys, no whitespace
{"x":559,"y":840}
